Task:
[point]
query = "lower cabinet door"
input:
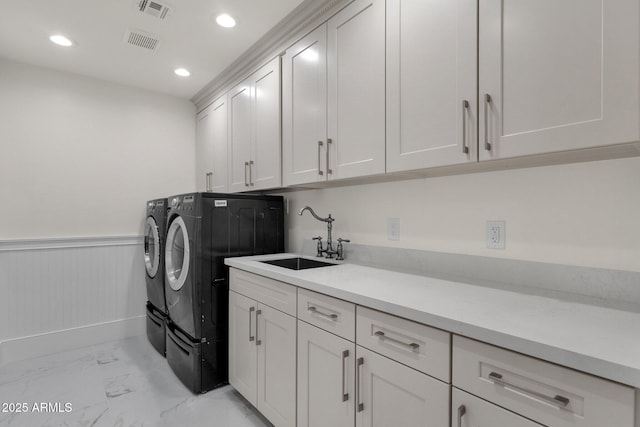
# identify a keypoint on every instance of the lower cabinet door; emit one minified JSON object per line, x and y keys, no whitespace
{"x":470,"y":411}
{"x":326,"y":366}
{"x":242,"y":352}
{"x":275,"y":337}
{"x":391,"y":394}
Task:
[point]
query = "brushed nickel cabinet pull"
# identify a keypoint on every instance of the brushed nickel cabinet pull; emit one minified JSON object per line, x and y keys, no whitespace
{"x":251,"y":310}
{"x":258,"y":313}
{"x":329,"y":171}
{"x":251,"y":172}
{"x":345,"y":394}
{"x":465,"y":109}
{"x":246,"y":165}
{"x":320,"y":172}
{"x":487,"y":104}
{"x":413,"y":346}
{"x":314,"y":310}
{"x":557,"y":400}
{"x":461,"y":411}
{"x":360,"y":405}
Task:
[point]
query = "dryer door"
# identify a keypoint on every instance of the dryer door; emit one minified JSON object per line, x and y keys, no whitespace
{"x":151,"y":247}
{"x":177,"y":254}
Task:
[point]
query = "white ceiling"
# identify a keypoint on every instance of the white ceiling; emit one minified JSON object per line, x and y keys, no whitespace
{"x":189,"y":37}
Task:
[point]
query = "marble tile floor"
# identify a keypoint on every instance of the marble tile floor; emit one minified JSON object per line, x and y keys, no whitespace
{"x":120,"y":383}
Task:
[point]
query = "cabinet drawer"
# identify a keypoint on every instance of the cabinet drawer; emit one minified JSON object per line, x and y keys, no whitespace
{"x":413,"y":344}
{"x":544,"y":392}
{"x":328,"y":313}
{"x":278,"y":295}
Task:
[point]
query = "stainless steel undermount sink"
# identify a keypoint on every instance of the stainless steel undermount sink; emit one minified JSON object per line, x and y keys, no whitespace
{"x":298,"y":263}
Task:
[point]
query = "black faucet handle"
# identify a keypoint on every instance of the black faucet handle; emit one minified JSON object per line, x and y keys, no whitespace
{"x":340,"y":240}
{"x":319,"y":238}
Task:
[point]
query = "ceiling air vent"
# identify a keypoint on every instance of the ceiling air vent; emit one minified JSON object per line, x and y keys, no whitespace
{"x":141,"y":39}
{"x":156,"y":9}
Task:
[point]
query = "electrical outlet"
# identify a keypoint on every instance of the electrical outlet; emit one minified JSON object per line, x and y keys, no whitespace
{"x":496,"y":234}
{"x":393,"y":228}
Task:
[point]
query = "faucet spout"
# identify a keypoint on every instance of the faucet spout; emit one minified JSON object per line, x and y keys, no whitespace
{"x":308,"y":208}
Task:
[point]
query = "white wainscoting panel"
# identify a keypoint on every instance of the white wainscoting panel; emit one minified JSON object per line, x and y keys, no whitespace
{"x":54,"y":285}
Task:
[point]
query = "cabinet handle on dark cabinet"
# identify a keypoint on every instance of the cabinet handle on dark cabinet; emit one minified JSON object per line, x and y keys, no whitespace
{"x":487,"y":105}
{"x":465,"y":110}
{"x":319,"y":155}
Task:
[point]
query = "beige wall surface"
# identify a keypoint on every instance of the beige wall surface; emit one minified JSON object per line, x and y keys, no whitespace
{"x":80,"y":156}
{"x":585,"y":214}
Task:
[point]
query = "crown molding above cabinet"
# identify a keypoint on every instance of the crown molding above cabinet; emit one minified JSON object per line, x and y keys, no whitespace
{"x":301,"y":20}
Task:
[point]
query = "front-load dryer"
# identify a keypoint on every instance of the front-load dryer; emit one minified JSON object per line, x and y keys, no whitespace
{"x":154,"y":239}
{"x":202,"y":230}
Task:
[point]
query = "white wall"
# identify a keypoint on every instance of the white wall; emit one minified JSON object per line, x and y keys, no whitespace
{"x":80,"y":157}
{"x":585,"y":214}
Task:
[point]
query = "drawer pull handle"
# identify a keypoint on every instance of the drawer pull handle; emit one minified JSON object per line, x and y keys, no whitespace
{"x":360,"y":405}
{"x":328,"y":316}
{"x":413,"y":346}
{"x":557,"y":400}
{"x":345,"y":394}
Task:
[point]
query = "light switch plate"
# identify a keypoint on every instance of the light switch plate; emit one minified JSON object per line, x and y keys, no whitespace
{"x":393,"y":228}
{"x":496,"y":234}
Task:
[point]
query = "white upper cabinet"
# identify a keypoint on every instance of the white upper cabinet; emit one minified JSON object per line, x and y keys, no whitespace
{"x":218,"y":177}
{"x":334,"y":98}
{"x":557,"y":75}
{"x":239,"y":136}
{"x":265,"y":152}
{"x":304,"y":109}
{"x":356,"y":90}
{"x":431,"y":83}
{"x":204,"y":149}
{"x":211,"y":147}
{"x":254,"y":131}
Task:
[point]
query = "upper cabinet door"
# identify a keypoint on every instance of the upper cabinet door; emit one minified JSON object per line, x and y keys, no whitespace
{"x":557,"y":75}
{"x":218,"y":177}
{"x":265,"y":171}
{"x":204,"y":149}
{"x":356,"y":90}
{"x":239,"y":136}
{"x":304,"y":109}
{"x":431,"y":83}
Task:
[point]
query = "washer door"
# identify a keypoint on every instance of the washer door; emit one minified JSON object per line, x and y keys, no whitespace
{"x":151,"y":247}
{"x":177,"y":254}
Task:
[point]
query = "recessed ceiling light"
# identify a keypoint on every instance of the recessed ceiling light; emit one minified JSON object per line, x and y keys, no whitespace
{"x":226,"y":21}
{"x":182,"y":72}
{"x":61,"y":40}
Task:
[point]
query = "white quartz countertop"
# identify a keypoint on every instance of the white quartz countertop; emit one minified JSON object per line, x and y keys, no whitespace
{"x":601,"y":341}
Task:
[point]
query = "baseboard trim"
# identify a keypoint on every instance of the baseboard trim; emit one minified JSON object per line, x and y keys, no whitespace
{"x":69,"y":339}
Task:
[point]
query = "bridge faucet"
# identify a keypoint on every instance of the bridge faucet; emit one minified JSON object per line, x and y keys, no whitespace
{"x":329,"y":220}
